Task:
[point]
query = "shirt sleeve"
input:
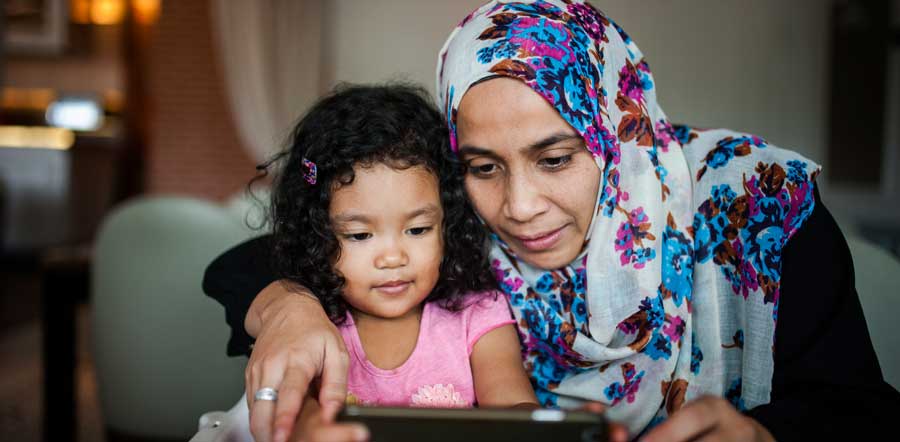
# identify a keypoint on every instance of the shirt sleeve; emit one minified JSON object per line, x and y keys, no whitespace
{"x":826,"y":380}
{"x":485,"y":312}
{"x":234,"y":279}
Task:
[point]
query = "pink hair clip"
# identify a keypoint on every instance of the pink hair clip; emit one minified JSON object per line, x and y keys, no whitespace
{"x":310,"y":171}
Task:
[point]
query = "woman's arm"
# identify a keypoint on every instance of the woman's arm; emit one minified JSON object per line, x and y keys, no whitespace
{"x":827,"y":383}
{"x":500,"y":378}
{"x":234,"y":279}
{"x":827,"y":380}
{"x":295,"y":341}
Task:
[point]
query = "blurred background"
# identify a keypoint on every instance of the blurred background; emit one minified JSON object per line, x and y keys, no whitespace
{"x":130,"y":128}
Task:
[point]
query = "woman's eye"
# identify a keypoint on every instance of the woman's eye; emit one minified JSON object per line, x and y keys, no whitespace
{"x":357,"y":236}
{"x":416,"y":231}
{"x":555,"y":162}
{"x":483,"y":170}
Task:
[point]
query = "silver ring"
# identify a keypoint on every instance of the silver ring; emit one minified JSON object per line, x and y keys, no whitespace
{"x":266,"y":394}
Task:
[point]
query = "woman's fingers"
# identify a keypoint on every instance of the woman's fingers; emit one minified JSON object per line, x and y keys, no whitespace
{"x":617,"y":432}
{"x":290,"y":399}
{"x":708,"y":419}
{"x":594,"y":407}
{"x":333,"y":387}
{"x":261,"y":420}
{"x":262,"y":412}
{"x":297,"y":343}
{"x":696,"y":419}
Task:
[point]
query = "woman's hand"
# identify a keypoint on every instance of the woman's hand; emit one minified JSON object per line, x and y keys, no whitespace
{"x":296,"y":343}
{"x":709,"y":418}
{"x":617,"y":431}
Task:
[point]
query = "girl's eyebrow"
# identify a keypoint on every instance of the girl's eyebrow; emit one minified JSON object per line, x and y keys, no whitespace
{"x":349,"y":218}
{"x":429,"y":209}
{"x":537,"y":145}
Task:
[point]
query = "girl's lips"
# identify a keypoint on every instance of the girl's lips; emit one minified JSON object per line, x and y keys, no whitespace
{"x":393,"y":287}
{"x":542,"y":242}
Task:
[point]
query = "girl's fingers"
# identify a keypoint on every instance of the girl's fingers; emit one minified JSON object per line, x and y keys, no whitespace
{"x":338,"y":432}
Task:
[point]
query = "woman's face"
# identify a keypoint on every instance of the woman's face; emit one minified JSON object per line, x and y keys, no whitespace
{"x":529,"y":174}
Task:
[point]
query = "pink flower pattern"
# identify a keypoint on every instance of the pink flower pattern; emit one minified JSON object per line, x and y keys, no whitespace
{"x":438,"y":396}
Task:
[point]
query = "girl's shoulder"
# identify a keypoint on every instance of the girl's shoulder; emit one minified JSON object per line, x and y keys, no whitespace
{"x":482,"y":302}
{"x":478,"y":313}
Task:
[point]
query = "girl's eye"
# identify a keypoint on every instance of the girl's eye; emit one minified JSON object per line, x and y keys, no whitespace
{"x":417,"y":231}
{"x":555,"y":162}
{"x":483,"y":170}
{"x":358,"y":236}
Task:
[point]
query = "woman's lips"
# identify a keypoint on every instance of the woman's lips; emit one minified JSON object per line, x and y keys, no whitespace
{"x":393,"y":287}
{"x":542,"y":241}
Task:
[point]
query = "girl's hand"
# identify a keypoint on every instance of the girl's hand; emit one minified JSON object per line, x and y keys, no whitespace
{"x":710,"y":418}
{"x":295,"y":344}
{"x":332,"y":432}
{"x":314,"y":426}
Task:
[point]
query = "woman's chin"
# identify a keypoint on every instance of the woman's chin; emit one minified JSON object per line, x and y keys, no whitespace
{"x":548,"y":259}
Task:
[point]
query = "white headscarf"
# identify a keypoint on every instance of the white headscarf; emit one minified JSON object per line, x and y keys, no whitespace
{"x":676,"y":292}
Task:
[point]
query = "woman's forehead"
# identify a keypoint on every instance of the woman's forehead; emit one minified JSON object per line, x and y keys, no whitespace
{"x":507,"y":110}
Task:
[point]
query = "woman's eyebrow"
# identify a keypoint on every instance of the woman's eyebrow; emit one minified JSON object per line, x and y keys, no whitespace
{"x":475,"y":150}
{"x":551,"y":140}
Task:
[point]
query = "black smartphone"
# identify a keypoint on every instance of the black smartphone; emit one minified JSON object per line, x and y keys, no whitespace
{"x":390,"y":424}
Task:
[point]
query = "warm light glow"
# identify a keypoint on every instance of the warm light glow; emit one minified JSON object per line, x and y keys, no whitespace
{"x":145,"y":11}
{"x":107,"y":12}
{"x":113,"y":101}
{"x":80,"y":10}
{"x":36,"y":137}
{"x":36,"y":99}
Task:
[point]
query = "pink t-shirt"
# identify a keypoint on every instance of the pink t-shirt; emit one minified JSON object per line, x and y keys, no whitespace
{"x":438,"y":372}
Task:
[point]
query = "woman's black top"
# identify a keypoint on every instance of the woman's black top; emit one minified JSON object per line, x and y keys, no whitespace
{"x":827,"y":381}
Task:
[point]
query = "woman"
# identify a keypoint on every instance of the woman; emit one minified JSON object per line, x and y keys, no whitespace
{"x":647,"y":264}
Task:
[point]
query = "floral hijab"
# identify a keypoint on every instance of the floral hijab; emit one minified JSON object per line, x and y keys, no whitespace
{"x":676,"y":292}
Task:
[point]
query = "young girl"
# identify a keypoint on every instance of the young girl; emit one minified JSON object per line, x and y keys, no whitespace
{"x":370,"y":213}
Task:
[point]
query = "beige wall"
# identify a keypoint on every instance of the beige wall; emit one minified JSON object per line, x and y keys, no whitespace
{"x":756,"y":66}
{"x":366,"y":41}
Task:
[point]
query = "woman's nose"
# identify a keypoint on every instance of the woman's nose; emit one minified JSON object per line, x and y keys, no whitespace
{"x":523,"y":200}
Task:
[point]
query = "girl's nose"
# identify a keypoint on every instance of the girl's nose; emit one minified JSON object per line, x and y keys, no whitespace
{"x":392,"y":255}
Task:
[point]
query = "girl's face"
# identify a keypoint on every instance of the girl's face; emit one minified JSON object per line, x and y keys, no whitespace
{"x":388,"y":223}
{"x":529,"y":174}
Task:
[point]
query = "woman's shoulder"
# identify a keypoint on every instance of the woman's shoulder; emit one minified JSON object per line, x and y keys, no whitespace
{"x":722,"y":155}
{"x":739,"y":173}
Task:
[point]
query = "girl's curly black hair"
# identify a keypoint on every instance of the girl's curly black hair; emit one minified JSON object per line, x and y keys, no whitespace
{"x":396,"y":125}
